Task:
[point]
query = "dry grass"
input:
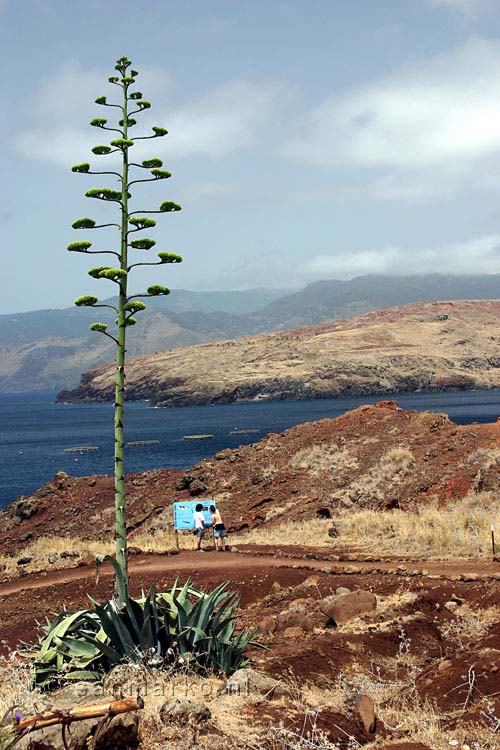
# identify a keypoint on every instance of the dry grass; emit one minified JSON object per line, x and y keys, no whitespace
{"x":45,"y":554}
{"x":15,"y":693}
{"x":369,"y":489}
{"x":163,"y":539}
{"x":460,"y":529}
{"x":323,"y":458}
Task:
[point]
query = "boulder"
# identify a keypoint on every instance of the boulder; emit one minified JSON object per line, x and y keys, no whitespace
{"x":340,"y":609}
{"x":125,"y":679}
{"x":184,"y":712}
{"x":366,"y":709}
{"x":342,"y":590}
{"x":268,"y":625}
{"x":295,"y":617}
{"x":247,"y":680}
{"x":121,"y":731}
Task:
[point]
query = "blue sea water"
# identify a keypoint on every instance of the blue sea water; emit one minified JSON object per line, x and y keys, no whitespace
{"x":34,"y":431}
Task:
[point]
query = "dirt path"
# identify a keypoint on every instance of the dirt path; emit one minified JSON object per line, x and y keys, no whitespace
{"x":231,"y":562}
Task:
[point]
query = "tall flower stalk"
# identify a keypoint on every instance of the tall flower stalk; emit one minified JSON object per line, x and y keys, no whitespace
{"x":130,"y":223}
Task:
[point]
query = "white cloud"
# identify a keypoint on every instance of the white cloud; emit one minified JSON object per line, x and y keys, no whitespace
{"x":224,"y":120}
{"x":227,"y":119}
{"x":479,"y":255}
{"x":439,"y":120}
{"x":274,"y":269}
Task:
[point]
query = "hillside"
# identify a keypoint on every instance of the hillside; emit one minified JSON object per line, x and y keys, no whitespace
{"x":423,"y":346}
{"x":373,"y":457}
{"x":47,"y":349}
{"x":51,"y":348}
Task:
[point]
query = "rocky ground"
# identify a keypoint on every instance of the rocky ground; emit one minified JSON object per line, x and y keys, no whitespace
{"x":421,"y":646}
{"x":384,"y":651}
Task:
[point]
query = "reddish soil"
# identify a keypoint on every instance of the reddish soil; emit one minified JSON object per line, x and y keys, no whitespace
{"x":375,"y":643}
{"x":437,"y":638}
{"x":448,"y":461}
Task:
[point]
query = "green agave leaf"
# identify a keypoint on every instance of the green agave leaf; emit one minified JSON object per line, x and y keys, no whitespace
{"x":79,"y":648}
{"x":111,"y":654}
{"x":83,"y":674}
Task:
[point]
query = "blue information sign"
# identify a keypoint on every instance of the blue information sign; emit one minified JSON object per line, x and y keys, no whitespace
{"x":184,"y":513}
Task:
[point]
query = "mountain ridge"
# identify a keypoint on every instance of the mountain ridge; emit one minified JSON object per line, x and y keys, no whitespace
{"x":51,"y":348}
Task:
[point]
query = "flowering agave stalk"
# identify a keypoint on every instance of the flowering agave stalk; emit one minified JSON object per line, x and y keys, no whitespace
{"x":129,"y":224}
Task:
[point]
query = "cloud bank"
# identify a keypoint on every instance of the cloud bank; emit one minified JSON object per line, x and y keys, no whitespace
{"x":431,"y":128}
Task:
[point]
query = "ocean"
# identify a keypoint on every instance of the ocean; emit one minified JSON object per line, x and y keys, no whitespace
{"x":35,"y":431}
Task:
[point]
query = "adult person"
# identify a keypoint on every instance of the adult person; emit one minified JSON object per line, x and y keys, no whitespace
{"x":199,"y":525}
{"x":219,"y":529}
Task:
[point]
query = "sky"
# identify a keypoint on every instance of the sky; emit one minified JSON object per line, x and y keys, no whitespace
{"x":307,"y":141}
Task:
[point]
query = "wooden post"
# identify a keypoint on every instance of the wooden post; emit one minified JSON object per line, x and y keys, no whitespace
{"x":68,"y":715}
{"x":177,"y":538}
{"x":493,"y":540}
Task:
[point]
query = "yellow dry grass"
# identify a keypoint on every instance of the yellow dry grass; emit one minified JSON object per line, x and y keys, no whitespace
{"x":460,"y":529}
{"x":45,"y":554}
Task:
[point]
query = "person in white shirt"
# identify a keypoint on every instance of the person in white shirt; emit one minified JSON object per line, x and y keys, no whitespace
{"x":199,"y":525}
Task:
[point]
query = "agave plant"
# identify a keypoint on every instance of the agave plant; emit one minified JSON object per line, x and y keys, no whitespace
{"x":180,"y":627}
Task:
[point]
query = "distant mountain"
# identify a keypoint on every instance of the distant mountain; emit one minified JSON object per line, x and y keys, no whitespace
{"x":330,"y":300}
{"x":421,"y":346}
{"x":51,"y":348}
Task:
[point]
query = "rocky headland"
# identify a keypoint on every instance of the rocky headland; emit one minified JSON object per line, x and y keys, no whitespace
{"x":429,"y":346}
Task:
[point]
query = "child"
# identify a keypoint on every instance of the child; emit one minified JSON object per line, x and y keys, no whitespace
{"x":219,"y":530}
{"x":199,"y":525}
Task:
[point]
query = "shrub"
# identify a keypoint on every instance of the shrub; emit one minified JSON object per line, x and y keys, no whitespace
{"x":181,"y":627}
